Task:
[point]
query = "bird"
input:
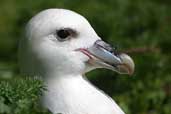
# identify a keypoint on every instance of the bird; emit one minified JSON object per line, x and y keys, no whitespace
{"x":61,"y":46}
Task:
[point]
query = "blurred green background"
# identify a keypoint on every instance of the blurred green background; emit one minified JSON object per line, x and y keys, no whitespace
{"x":123,"y":23}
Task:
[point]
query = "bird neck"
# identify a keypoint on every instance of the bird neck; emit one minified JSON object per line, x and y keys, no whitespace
{"x":53,"y":77}
{"x":75,"y":95}
{"x":55,"y":81}
{"x":61,"y":90}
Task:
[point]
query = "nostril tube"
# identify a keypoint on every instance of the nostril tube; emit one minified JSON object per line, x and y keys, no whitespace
{"x":106,"y":46}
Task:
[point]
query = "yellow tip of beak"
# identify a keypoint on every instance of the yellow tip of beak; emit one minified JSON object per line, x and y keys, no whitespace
{"x":127,"y":66}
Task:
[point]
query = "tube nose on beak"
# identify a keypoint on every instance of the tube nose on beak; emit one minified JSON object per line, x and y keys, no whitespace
{"x":104,"y":45}
{"x":105,"y":52}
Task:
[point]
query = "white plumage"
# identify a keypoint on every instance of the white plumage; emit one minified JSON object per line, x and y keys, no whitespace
{"x":62,"y":62}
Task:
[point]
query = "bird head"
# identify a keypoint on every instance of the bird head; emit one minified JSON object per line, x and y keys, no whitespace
{"x":63,"y":42}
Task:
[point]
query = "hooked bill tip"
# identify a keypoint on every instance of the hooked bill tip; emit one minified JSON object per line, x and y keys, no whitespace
{"x":127,"y":65}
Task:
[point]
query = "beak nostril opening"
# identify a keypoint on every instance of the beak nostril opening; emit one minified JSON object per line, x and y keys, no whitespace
{"x":112,"y":49}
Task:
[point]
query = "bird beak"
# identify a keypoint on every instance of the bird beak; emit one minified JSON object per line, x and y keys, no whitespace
{"x":103,"y":55}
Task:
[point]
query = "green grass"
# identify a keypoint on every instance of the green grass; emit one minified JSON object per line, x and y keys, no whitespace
{"x":21,"y":96}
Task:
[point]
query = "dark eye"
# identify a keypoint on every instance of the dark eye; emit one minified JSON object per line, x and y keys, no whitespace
{"x":63,"y":34}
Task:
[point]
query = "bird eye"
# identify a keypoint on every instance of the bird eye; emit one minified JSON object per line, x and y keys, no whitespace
{"x":63,"y":34}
